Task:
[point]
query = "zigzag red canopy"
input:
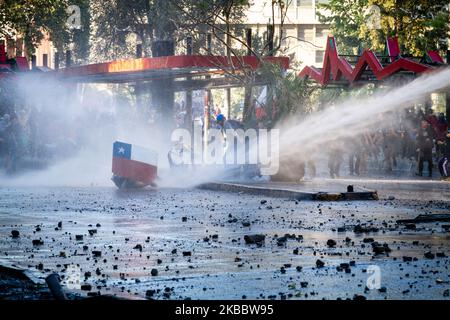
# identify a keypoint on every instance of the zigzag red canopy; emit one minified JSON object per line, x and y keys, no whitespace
{"x":335,"y":67}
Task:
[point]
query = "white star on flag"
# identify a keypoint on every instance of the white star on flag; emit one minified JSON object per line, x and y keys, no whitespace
{"x":121,"y":150}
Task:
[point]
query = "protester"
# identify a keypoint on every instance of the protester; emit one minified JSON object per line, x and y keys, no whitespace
{"x":301,"y":169}
{"x":390,"y":140}
{"x":444,"y":160}
{"x":5,"y":123}
{"x":440,"y":129}
{"x":335,"y":158}
{"x":356,"y":156}
{"x":425,"y":147}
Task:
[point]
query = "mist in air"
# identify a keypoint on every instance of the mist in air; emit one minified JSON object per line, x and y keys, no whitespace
{"x":81,"y":122}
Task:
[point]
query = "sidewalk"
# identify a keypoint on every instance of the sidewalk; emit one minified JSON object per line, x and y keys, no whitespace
{"x":406,"y":189}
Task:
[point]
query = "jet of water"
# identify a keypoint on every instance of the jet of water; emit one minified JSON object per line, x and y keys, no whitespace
{"x":352,"y":117}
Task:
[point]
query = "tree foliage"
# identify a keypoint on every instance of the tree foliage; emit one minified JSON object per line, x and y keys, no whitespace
{"x":220,"y":18}
{"x":119,"y":25}
{"x":79,"y":38}
{"x":287,"y":94}
{"x":420,"y":25}
{"x":32,"y":19}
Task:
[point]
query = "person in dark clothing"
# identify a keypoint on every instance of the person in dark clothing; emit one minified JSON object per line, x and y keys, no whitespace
{"x":357,"y":154}
{"x":302,"y":168}
{"x":440,"y":129}
{"x":390,"y":138}
{"x":335,"y":158}
{"x":425,"y":147}
{"x":5,"y":133}
{"x":445,"y":159}
{"x":353,"y":161}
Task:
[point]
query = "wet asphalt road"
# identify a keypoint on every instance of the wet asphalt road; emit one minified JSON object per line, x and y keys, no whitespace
{"x":194,"y":239}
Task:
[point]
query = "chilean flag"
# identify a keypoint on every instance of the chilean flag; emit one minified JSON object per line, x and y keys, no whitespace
{"x":134,"y":162}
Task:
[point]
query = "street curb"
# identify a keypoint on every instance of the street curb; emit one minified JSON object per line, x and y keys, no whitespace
{"x":288,"y":193}
{"x":269,"y":192}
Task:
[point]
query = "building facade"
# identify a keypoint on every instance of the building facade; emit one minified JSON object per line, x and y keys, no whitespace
{"x":303,"y":36}
{"x":44,"y":52}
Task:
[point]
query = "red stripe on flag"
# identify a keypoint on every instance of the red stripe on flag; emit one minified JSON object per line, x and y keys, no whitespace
{"x":135,"y":170}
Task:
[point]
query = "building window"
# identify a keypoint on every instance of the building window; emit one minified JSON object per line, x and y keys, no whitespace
{"x":306,"y":33}
{"x":319,"y":56}
{"x":289,"y":36}
{"x":304,"y":3}
{"x":239,"y":30}
{"x":321,"y":32}
{"x":284,"y":40}
{"x":287,"y":2}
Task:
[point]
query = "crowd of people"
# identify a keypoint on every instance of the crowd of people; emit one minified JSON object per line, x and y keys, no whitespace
{"x":28,"y":140}
{"x":17,"y":133}
{"x":413,"y":142}
{"x":418,"y":138}
{"x":34,"y":135}
{"x":410,"y":143}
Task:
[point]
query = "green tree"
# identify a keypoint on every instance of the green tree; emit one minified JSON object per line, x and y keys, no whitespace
{"x":287,"y":94}
{"x":224,"y":20}
{"x":32,"y":19}
{"x":346,"y":17}
{"x":79,"y":37}
{"x":118,"y":25}
{"x":420,"y":25}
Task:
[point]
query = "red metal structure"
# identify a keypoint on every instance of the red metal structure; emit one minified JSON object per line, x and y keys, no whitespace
{"x":336,"y":68}
{"x":148,"y":69}
{"x":9,"y":66}
{"x":184,"y":72}
{"x":202,"y":70}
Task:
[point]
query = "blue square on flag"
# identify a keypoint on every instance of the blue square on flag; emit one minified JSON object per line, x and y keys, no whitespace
{"x":122,"y":150}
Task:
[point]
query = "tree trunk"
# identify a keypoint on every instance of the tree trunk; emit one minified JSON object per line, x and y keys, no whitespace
{"x":447,"y":96}
{"x":228,"y":90}
{"x":248,"y":107}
